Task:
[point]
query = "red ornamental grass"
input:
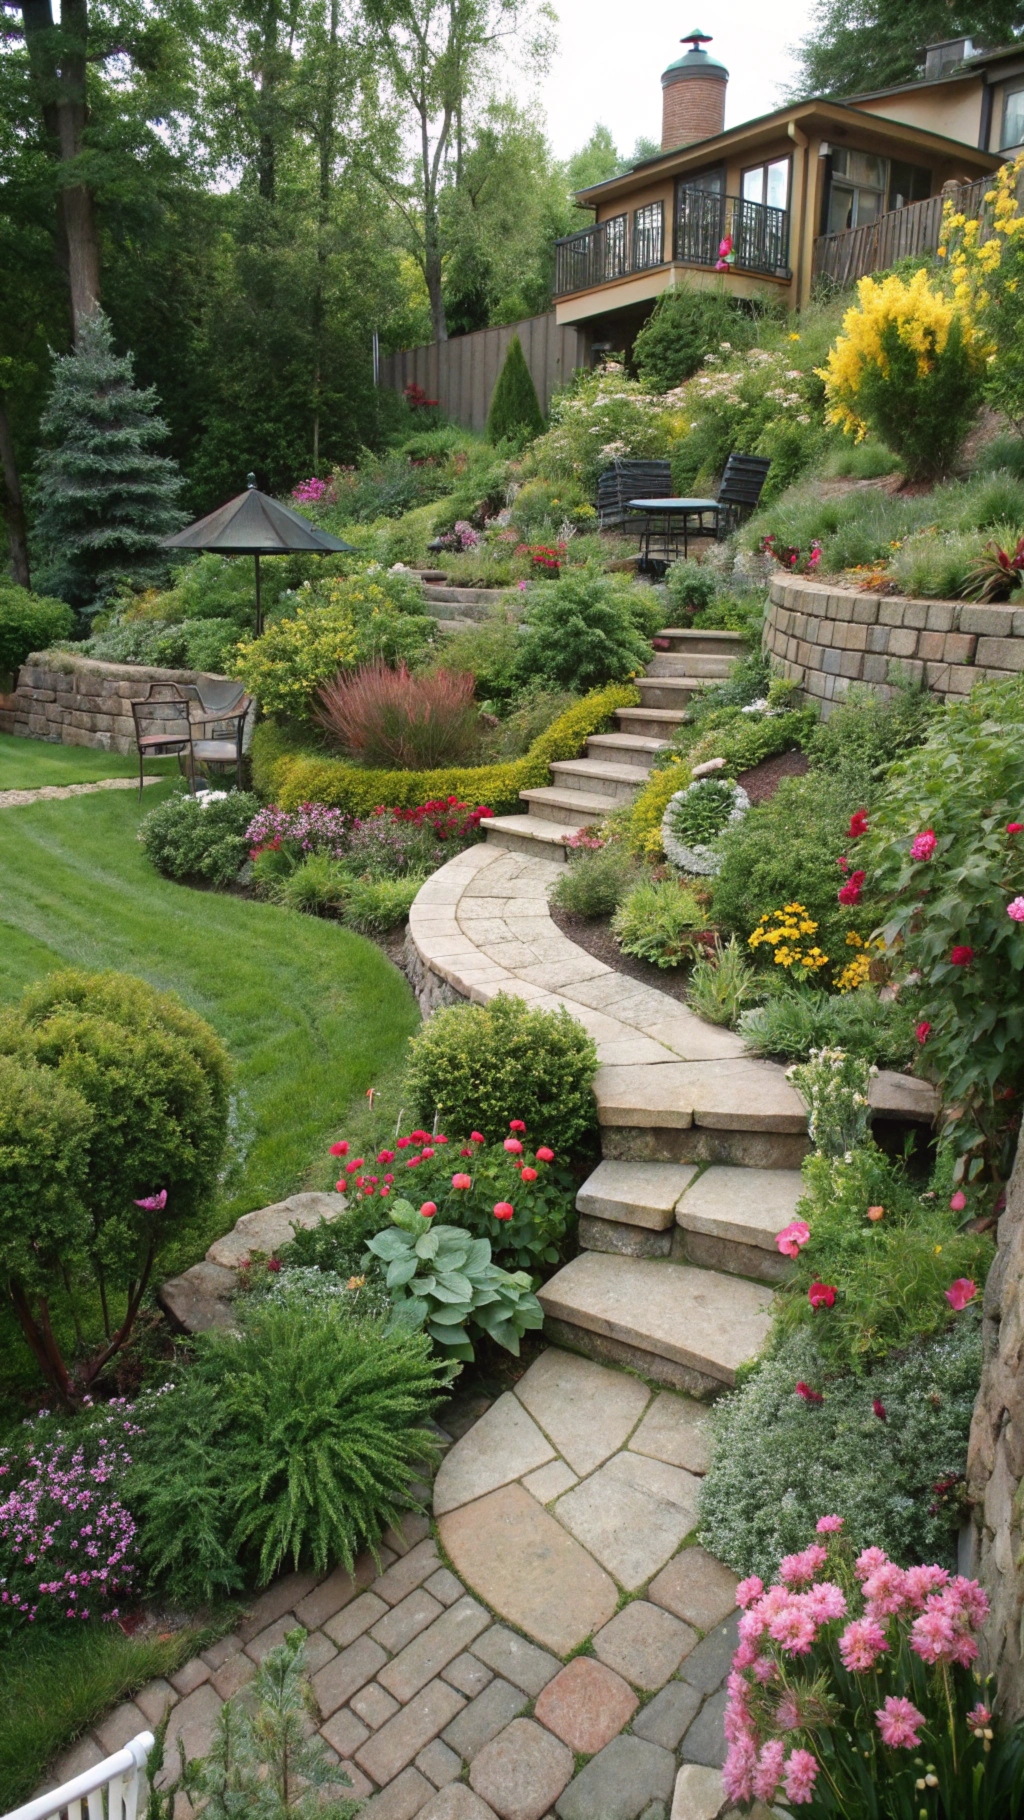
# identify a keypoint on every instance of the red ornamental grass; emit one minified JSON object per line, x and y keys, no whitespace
{"x":387,"y":717}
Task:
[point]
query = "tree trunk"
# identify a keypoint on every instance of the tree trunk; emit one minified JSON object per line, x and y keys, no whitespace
{"x":14,"y":505}
{"x":58,"y":58}
{"x":431,"y":225}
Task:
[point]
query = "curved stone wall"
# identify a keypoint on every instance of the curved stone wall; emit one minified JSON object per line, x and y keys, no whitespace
{"x":79,"y":701}
{"x":825,"y":638}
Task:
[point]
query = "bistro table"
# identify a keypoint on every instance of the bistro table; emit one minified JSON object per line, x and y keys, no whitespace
{"x":668,"y":523}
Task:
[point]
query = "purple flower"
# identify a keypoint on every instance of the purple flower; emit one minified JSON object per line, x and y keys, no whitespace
{"x":154,"y":1203}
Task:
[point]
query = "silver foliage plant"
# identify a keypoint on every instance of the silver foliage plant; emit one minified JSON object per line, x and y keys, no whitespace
{"x":699,"y":858}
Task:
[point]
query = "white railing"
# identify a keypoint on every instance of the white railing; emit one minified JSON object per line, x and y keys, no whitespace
{"x":121,"y":1778}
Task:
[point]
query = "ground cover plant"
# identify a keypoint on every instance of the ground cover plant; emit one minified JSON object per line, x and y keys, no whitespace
{"x":442,"y":1280}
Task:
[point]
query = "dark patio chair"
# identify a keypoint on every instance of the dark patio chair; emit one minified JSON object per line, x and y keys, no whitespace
{"x":163,"y":727}
{"x":668,"y":524}
{"x":218,"y":712}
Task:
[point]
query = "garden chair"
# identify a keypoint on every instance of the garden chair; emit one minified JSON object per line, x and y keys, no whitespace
{"x":618,"y":484}
{"x":668,"y":524}
{"x":219,"y":712}
{"x":163,"y":727}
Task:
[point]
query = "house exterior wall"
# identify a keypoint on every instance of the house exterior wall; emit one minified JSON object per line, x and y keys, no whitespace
{"x":950,"y":108}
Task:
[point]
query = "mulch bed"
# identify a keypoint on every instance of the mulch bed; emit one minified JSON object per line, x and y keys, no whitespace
{"x":596,"y":938}
{"x":764,"y":779}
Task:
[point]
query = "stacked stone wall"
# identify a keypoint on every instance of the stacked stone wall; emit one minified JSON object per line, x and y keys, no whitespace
{"x":826,"y":638}
{"x":78,"y":701}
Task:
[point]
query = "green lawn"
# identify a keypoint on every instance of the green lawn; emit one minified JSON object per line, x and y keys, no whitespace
{"x":312,"y":1014}
{"x":28,"y":764}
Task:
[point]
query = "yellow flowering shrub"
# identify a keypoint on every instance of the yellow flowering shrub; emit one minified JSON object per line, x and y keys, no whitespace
{"x":857,"y":971}
{"x":783,"y":932}
{"x":985,"y":259}
{"x":643,"y":831}
{"x":909,"y":365}
{"x":343,"y":622}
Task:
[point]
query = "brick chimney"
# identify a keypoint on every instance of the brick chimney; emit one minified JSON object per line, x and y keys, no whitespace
{"x":693,"y":96}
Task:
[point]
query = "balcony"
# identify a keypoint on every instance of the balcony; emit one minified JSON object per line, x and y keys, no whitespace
{"x":598,"y":255}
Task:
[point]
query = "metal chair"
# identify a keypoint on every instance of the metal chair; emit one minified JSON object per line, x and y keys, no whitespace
{"x":218,"y":713}
{"x":668,"y":524}
{"x":163,"y":727}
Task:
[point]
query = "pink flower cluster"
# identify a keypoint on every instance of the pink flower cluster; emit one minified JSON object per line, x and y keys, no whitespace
{"x":67,"y":1542}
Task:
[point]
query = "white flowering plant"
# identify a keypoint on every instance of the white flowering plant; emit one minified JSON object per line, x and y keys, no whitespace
{"x":834,"y":1087}
{"x":759,"y":403}
{"x":603,"y":417}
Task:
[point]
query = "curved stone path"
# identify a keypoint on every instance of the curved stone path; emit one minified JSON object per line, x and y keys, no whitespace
{"x":19,"y":799}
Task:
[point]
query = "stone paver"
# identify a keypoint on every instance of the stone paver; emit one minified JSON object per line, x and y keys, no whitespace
{"x":631,"y":1514}
{"x":643,"y":1194}
{"x":239,"y":1668}
{"x":444,"y":1586}
{"x":620,"y":1782}
{"x":154,"y":1699}
{"x":272,"y":1638}
{"x":528,"y":1568}
{"x":433,"y":1649}
{"x":504,"y":1444}
{"x":676,"y":1429}
{"x":585,"y":1409}
{"x":373,"y":1705}
{"x":283,"y":1596}
{"x":439,"y":1764}
{"x":549,"y":1482}
{"x":707,"y":1665}
{"x":50,"y":793}
{"x":401,"y":1799}
{"x":406,"y":1621}
{"x":468,"y":1674}
{"x":665,"y":1718}
{"x":457,"y":1803}
{"x":349,"y":1671}
{"x":586,"y":1705}
{"x":356,"y":1618}
{"x":696,"y":1587}
{"x":125,"y":1722}
{"x":748,"y":1206}
{"x":644,"y":1644}
{"x":406,"y":1574}
{"x":484,"y":1718}
{"x":705,"y":1740}
{"x":698,"y":1795}
{"x":522,"y":1771}
{"x":190,"y":1675}
{"x":397,"y":1742}
{"x":511,"y":1656}
{"x":344,"y":1732}
{"x":329,"y":1598}
{"x":193,"y":1721}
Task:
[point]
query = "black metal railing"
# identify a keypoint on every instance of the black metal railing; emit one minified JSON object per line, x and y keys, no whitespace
{"x":759,"y":238}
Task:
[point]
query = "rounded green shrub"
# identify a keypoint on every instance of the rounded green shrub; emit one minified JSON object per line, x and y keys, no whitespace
{"x":684,"y":327}
{"x":657,"y":920}
{"x":584,"y":631}
{"x":29,"y":622}
{"x":595,"y":880}
{"x":200,"y":836}
{"x":478,"y":1066}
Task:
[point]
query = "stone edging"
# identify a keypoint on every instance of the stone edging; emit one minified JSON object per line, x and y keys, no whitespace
{"x":826,"y":637}
{"x":82,"y":701}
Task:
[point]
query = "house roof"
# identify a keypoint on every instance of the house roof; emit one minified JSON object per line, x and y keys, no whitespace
{"x":836,"y":117}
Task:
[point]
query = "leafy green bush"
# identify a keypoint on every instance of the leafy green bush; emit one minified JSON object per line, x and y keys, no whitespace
{"x":595,"y":880}
{"x":140,"y":1084}
{"x":29,"y":622}
{"x":656,"y":921}
{"x":721,"y":983}
{"x":890,"y":1271}
{"x":536,"y":710}
{"x":515,"y":413}
{"x":796,"y":1019}
{"x":336,"y":625}
{"x":582,"y":632}
{"x":962,"y":791}
{"x":488,"y":650}
{"x":200,"y":836}
{"x":779,"y":1462}
{"x":442,"y":1279}
{"x":293,"y":1440}
{"x":869,"y":731}
{"x":472,"y":1063}
{"x":684,"y":327}
{"x":758,"y":403}
{"x":748,"y":739}
{"x":598,"y":417}
{"x":691,"y":586}
{"x":375,"y":905}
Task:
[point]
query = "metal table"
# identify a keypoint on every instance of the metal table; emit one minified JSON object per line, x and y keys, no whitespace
{"x":669,"y":522}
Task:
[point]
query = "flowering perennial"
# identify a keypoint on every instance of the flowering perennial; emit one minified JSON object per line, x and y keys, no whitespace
{"x":782,"y":931}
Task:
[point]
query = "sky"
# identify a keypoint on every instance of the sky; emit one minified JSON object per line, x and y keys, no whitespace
{"x":610,"y":58}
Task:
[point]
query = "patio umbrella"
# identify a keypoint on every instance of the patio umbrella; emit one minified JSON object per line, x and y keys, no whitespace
{"x":255,"y":525}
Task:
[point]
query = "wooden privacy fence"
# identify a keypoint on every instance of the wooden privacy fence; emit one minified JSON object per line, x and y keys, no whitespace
{"x":461,"y":373}
{"x":902,"y":233}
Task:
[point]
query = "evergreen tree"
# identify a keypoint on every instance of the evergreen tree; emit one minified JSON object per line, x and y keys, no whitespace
{"x":858,"y":45}
{"x":104,"y":497}
{"x":515,"y":407}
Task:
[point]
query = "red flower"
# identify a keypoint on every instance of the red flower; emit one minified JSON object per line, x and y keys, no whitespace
{"x":850,"y":892}
{"x":923,"y":1031}
{"x":503,"y":1210}
{"x":879,"y":1408}
{"x":529,"y":1175}
{"x":420,"y":1137}
{"x":465,"y":1151}
{"x":389,"y":1179}
{"x":412,"y":1162}
{"x":513,"y":1145}
{"x":843,"y":863}
{"x":356,"y":1163}
{"x":428,"y":1210}
{"x":440,"y":1138}
{"x":385,"y":1156}
{"x":1015,"y":827}
{"x":339,"y":1149}
{"x":462,"y":1181}
{"x":961,"y":1292}
{"x":858,"y":823}
{"x":426,"y":1151}
{"x":544,"y":1155}
{"x":962,"y":957}
{"x":273,"y":1265}
{"x":516,"y":1125}
{"x":477,"y":1137}
{"x":821,"y":1295}
{"x":403,"y":1143}
{"x":809,"y":1395}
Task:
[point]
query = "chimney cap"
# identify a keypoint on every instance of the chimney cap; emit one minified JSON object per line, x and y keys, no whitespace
{"x":695,"y":63}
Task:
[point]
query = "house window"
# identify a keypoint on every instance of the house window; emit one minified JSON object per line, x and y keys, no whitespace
{"x":768,"y":183}
{"x":710,"y":183}
{"x":647,"y":236}
{"x":857,"y":190}
{"x":908,"y":183}
{"x":1013,"y":119}
{"x":615,"y":264}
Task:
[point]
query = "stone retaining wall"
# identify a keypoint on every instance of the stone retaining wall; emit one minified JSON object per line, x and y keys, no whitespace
{"x":78,"y":701}
{"x":825,"y":638}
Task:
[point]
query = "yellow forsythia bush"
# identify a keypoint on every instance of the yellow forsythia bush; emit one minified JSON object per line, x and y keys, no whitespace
{"x":986,"y":266}
{"x":290,"y":778}
{"x":909,"y":365}
{"x":341,"y":622}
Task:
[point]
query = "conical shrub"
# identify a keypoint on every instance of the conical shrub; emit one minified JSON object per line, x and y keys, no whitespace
{"x":515,"y":407}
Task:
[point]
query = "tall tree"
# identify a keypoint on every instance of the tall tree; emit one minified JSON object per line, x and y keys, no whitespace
{"x":857,"y":45}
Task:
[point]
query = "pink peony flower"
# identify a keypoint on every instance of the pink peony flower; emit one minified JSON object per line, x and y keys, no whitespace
{"x":746,"y":1655}
{"x":528,"y":1175}
{"x":861,"y":1644}
{"x":794,"y":1629}
{"x":923,"y":1031}
{"x":924,"y":845}
{"x":932,"y":1634}
{"x":544,"y":1155}
{"x":513,"y":1145}
{"x":867,"y":1562}
{"x":790,"y":1239}
{"x":799,"y":1570}
{"x":850,"y":892}
{"x":825,"y":1602}
{"x":768,"y":1773}
{"x":821,"y":1295}
{"x":898,"y":1720}
{"x":477,"y":1137}
{"x":428,"y":1210}
{"x":503,"y":1210}
{"x":764,"y":1669}
{"x":885,"y":1589}
{"x":920,"y":1582}
{"x":829,"y":1526}
{"x":958,"y":1201}
{"x":516,"y":1125}
{"x":787,"y":1713}
{"x":799,"y":1777}
{"x":1015,"y":827}
{"x":748,"y":1590}
{"x":339,"y":1149}
{"x":978,"y":1718}
{"x":960,"y":1292}
{"x":462,"y":1181}
{"x":154,"y":1203}
{"x":1016,"y":909}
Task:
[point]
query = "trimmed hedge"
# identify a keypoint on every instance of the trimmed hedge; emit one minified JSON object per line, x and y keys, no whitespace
{"x":289,"y":777}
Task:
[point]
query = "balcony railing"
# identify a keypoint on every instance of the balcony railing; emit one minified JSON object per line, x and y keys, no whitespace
{"x":596,"y":255}
{"x":900,"y":234}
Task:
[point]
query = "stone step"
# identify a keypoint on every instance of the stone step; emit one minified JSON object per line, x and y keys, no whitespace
{"x":685,"y":638}
{"x":618,"y":783}
{"x":473,"y":604}
{"x":531,"y":834}
{"x":654,"y":723}
{"x":725,"y":1218}
{"x":689,"y":663}
{"x":686,"y":1327}
{"x":737,"y":1110}
{"x":572,"y":808}
{"x":637,"y":749}
{"x":669,"y":691}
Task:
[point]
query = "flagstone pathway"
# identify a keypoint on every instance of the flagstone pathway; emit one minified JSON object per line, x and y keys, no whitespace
{"x":19,"y":799}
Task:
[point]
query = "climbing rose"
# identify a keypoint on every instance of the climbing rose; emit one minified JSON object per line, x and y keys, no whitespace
{"x":428,"y":1210}
{"x":923,"y":1030}
{"x":799,"y":1777}
{"x":503,"y":1210}
{"x":958,"y":1201}
{"x":790,"y":1239}
{"x":809,"y":1395}
{"x":821,"y":1295}
{"x":462,"y":1181}
{"x":924,"y":845}
{"x":1016,"y":909}
{"x":898,"y":1720}
{"x":544,"y":1155}
{"x":858,"y":824}
{"x":962,"y":957}
{"x":850,"y":892}
{"x":339,"y":1149}
{"x":961,"y":1292}
{"x":529,"y":1175}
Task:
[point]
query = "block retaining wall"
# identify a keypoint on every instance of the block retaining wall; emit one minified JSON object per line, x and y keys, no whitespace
{"x":79,"y":701}
{"x":825,"y":638}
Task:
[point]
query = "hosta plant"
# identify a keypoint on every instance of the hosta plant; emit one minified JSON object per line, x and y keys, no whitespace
{"x":853,"y":1692}
{"x":442,"y":1278}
